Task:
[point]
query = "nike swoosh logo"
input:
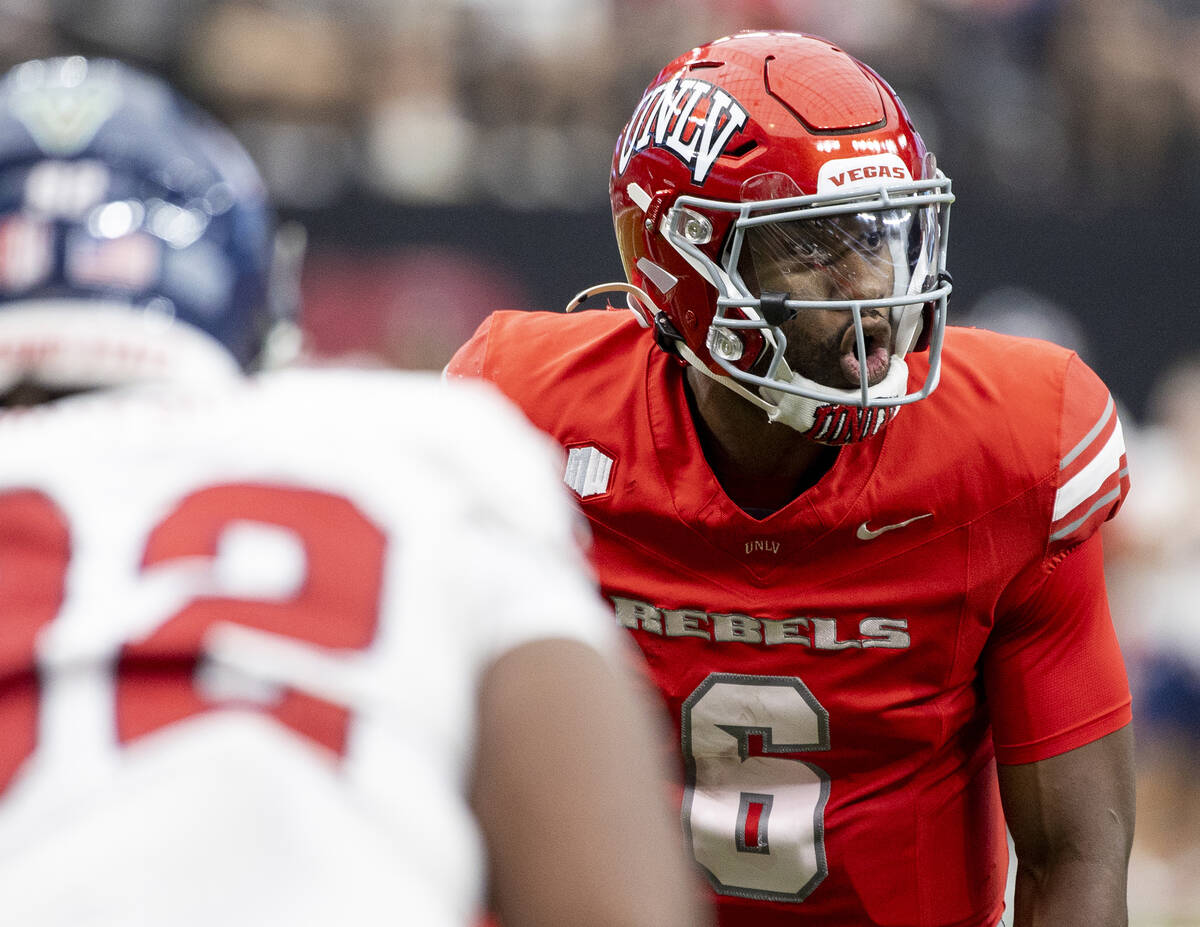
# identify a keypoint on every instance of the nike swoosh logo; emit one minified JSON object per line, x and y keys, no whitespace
{"x":869,"y":534}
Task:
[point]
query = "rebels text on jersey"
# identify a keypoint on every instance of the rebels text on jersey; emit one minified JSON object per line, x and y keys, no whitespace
{"x":843,"y":674}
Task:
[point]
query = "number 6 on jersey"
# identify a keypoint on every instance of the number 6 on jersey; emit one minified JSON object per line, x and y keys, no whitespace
{"x":756,"y":822}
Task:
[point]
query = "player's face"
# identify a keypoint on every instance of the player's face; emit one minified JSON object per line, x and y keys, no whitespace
{"x":842,"y":257}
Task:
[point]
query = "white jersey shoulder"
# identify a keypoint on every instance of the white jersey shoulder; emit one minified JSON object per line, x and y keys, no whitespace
{"x":345,"y":552}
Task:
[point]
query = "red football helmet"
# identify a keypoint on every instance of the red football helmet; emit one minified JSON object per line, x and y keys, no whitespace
{"x":765,"y":147}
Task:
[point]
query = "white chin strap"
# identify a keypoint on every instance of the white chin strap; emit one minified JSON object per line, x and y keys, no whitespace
{"x":829,"y":421}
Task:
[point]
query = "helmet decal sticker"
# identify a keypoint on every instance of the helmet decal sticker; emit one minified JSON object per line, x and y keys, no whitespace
{"x":130,"y":263}
{"x":26,"y":252}
{"x":846,"y":174}
{"x":63,"y":114}
{"x":692,"y":119}
{"x":66,"y":189}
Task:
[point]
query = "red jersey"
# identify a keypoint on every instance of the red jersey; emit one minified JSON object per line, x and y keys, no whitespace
{"x":843,"y":675}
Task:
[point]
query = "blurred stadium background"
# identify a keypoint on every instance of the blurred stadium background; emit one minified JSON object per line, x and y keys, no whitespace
{"x":450,"y":157}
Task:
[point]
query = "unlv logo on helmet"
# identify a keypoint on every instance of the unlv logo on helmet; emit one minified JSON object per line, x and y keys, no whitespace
{"x":692,"y":119}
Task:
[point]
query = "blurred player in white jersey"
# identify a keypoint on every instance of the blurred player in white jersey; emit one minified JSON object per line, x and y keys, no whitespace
{"x":261,"y":660}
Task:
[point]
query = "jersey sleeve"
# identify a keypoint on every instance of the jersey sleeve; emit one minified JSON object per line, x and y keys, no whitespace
{"x":468,"y":361}
{"x":1052,"y":669}
{"x":1092,"y":478}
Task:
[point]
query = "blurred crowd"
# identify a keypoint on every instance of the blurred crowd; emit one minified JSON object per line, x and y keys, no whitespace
{"x":450,"y":157}
{"x":1153,"y":559}
{"x":371,"y":117}
{"x":517,"y":101}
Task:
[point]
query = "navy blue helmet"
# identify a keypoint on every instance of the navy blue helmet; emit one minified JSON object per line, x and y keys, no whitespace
{"x":136,"y":238}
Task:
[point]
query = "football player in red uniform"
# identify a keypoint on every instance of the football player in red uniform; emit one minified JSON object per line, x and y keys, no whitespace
{"x":857,"y":548}
{"x":261,"y":660}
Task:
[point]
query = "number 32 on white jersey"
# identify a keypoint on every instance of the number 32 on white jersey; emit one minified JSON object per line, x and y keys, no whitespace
{"x":756,"y":823}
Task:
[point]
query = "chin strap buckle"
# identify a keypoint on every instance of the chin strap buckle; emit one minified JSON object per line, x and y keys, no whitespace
{"x":666,"y":335}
